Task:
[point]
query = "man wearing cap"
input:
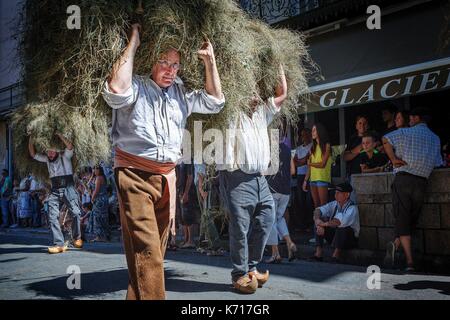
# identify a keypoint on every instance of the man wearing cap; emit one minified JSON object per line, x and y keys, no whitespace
{"x":63,"y":191}
{"x":417,"y":152}
{"x":338,"y":223}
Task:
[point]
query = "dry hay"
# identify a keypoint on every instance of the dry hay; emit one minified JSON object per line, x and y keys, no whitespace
{"x":65,"y":69}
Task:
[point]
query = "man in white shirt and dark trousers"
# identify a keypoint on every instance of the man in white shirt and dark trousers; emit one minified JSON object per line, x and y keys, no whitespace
{"x":249,"y":200}
{"x":63,"y":191}
{"x":338,"y":223}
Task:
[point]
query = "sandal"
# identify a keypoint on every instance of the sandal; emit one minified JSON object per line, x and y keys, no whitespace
{"x":274,"y":260}
{"x":292,"y":251}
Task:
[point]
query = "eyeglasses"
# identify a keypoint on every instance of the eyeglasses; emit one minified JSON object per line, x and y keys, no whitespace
{"x":166,"y":64}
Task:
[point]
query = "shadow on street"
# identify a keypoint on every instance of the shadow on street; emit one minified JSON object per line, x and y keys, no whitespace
{"x":94,"y":283}
{"x":442,"y":287}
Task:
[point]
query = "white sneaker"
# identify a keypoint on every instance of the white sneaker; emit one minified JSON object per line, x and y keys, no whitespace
{"x":312,"y":241}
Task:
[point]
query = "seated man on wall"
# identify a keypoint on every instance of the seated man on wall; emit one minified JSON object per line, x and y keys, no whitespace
{"x":338,"y":223}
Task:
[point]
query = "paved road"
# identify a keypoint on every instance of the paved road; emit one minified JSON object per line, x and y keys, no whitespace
{"x":27,"y":272}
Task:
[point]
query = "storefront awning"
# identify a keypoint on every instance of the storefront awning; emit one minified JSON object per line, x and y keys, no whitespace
{"x":410,"y":55}
{"x":391,"y":84}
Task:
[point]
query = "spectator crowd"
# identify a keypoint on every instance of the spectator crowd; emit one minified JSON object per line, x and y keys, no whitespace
{"x":305,"y":199}
{"x":25,"y":204}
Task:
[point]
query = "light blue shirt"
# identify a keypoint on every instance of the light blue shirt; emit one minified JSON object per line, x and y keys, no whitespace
{"x":348,"y":215}
{"x":149,"y":122}
{"x":419,"y":147}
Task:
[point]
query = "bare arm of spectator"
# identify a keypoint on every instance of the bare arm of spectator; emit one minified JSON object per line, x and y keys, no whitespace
{"x":293,"y":168}
{"x":98,"y":183}
{"x":333,"y":223}
{"x":305,"y":182}
{"x":396,"y":162}
{"x":317,"y":215}
{"x":301,"y":161}
{"x":325,"y":158}
{"x":349,"y":155}
{"x":185,"y":196}
{"x":365,"y":169}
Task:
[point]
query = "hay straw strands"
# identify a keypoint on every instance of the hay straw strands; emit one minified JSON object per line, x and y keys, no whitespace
{"x":65,"y":69}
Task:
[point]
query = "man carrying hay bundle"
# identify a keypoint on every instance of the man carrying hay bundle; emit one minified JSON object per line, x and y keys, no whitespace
{"x":63,"y":191}
{"x":248,"y":197}
{"x":149,"y":115}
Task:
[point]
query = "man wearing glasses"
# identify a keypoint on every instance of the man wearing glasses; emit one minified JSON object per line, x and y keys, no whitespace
{"x":149,"y":116}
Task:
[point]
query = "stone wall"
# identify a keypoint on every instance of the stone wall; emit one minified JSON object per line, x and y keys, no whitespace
{"x":431,"y":239}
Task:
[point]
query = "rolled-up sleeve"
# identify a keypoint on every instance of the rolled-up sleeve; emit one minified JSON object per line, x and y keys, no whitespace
{"x":394,"y":136}
{"x":349,"y":218}
{"x":40,"y":157}
{"x":327,"y":209}
{"x":271,"y":110}
{"x":120,"y":100}
{"x":68,"y":153}
{"x":199,"y":101}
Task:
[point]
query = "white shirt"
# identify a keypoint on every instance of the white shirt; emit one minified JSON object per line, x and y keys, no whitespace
{"x":62,"y":166}
{"x":35,"y":185}
{"x":348,"y":215}
{"x":149,"y":122}
{"x":301,"y":152}
{"x":247,"y":145}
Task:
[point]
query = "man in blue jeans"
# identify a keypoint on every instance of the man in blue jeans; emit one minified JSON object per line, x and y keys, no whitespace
{"x":6,"y":192}
{"x":248,"y":198}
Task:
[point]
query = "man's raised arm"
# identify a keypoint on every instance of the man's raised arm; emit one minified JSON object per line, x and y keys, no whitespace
{"x":31,"y":148}
{"x":281,"y":89}
{"x":212,"y":81}
{"x":122,"y":72}
{"x":67,"y":143}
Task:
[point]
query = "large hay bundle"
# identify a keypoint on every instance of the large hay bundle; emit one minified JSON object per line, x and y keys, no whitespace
{"x":65,"y":69}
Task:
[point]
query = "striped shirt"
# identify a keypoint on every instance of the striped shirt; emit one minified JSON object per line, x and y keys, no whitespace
{"x":419,"y":147}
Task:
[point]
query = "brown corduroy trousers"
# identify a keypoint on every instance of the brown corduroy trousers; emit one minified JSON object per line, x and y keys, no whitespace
{"x":144,"y":214}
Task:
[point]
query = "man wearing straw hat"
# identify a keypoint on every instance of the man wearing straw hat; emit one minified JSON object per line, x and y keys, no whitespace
{"x":149,"y":115}
{"x":63,"y":191}
{"x":248,"y":197}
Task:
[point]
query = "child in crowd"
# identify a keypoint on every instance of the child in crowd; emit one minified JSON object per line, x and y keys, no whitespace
{"x":371,"y":160}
